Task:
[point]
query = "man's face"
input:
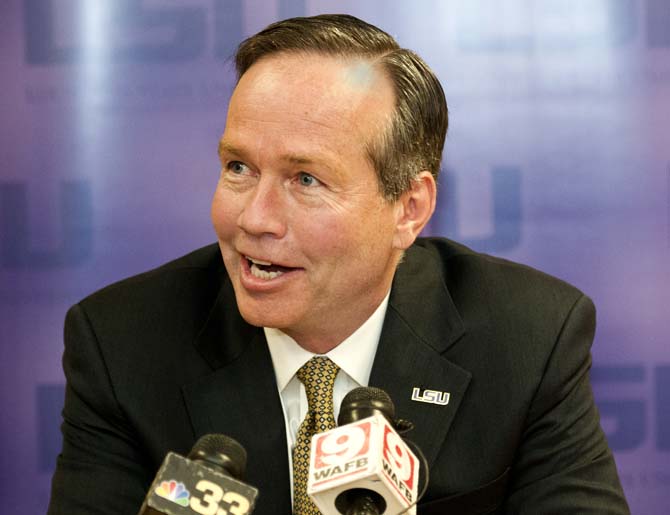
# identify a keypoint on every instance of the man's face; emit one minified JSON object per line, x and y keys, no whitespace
{"x":307,"y":239}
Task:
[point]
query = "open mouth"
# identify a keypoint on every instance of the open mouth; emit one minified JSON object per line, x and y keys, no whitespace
{"x":266,"y":270}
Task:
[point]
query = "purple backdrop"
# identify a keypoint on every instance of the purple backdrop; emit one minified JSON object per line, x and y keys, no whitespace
{"x":558,"y":156}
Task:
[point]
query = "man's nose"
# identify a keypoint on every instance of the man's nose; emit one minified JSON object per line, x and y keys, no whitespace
{"x":264,"y":210}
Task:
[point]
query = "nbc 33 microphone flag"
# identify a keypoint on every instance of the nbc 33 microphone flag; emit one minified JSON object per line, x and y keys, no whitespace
{"x":186,"y":487}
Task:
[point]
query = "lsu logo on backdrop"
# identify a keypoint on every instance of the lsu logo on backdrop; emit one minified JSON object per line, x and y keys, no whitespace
{"x":341,"y":452}
{"x":398,"y":464}
{"x":174,"y":491}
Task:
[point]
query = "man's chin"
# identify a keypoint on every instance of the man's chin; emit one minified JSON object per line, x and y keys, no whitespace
{"x":265,"y":318}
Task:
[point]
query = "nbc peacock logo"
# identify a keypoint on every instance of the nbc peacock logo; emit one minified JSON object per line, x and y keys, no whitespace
{"x":174,"y":491}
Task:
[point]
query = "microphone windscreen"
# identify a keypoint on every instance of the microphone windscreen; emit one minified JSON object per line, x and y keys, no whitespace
{"x":221,"y":452}
{"x":364,"y":402}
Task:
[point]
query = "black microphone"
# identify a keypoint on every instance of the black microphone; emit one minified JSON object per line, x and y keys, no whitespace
{"x":207,"y":481}
{"x":363,"y":402}
{"x":363,"y":467}
{"x":366,"y":401}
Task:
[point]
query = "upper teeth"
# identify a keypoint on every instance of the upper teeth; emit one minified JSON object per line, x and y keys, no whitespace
{"x":262,"y":274}
{"x":259,"y":262}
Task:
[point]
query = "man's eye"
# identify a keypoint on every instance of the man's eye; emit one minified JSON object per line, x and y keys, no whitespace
{"x":306,"y":179}
{"x":237,"y":167}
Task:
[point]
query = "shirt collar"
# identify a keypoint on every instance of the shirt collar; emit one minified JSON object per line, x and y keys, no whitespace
{"x":354,"y":355}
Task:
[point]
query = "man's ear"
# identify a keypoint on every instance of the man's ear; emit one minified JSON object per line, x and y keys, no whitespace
{"x":414,"y":208}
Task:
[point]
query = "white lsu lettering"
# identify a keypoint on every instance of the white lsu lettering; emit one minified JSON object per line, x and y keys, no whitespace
{"x":431,"y":396}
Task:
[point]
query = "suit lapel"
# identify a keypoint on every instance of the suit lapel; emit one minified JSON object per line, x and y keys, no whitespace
{"x":421,"y":324}
{"x":240,"y":399}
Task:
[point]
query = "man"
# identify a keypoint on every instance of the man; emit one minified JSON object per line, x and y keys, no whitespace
{"x":329,"y":163}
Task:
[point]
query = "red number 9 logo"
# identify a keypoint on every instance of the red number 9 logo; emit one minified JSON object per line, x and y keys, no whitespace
{"x":342,"y":445}
{"x":395,"y":452}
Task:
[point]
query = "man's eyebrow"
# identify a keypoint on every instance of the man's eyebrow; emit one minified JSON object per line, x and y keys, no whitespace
{"x":224,"y":146}
{"x":298,"y":159}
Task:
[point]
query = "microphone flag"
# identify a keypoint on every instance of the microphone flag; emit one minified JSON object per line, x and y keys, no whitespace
{"x":367,"y":454}
{"x":186,"y":487}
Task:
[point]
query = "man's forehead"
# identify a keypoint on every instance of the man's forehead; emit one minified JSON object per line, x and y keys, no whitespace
{"x":361,"y":74}
{"x":307,"y":109}
{"x":319,"y":73}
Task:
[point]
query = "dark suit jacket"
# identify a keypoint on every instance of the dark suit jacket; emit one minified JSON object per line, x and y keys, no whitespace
{"x":156,"y":361}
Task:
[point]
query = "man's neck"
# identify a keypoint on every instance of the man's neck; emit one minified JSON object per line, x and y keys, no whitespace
{"x":319,"y":343}
{"x":324,"y":339}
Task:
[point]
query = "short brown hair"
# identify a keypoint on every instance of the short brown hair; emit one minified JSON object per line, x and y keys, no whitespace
{"x":415,"y":137}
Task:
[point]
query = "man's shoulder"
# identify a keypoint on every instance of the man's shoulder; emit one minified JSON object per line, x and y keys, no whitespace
{"x":199,"y":273}
{"x":467,"y":273}
{"x":515,"y":311}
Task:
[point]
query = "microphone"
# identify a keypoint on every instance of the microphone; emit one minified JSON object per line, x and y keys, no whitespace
{"x":205,"y":482}
{"x":364,"y":402}
{"x":363,"y":466}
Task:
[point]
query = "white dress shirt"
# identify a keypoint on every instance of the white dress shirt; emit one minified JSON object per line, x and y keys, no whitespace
{"x":354,"y":356}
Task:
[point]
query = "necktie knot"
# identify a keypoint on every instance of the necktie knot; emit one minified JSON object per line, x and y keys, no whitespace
{"x":318,"y":377}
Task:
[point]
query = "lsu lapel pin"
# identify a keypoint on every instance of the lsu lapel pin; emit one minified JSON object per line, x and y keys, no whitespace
{"x":430,"y":396}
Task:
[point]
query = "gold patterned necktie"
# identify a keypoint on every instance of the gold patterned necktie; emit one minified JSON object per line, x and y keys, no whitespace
{"x":318,"y":377}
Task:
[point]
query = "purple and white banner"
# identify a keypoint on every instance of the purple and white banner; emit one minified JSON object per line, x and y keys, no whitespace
{"x":558,"y":156}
